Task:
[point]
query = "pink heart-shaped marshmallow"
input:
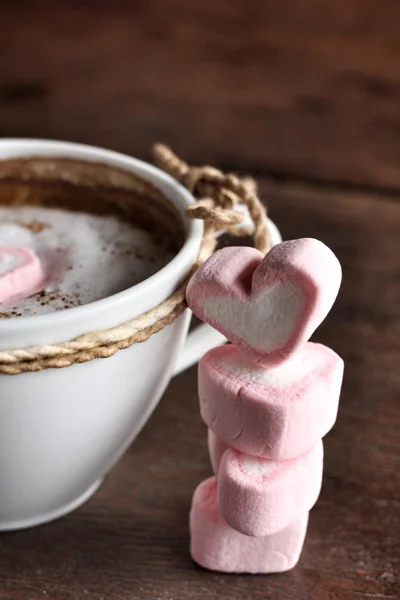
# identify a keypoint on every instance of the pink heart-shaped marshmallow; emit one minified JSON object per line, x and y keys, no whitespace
{"x":21,"y":273}
{"x":259,"y":497}
{"x":272,"y":412}
{"x":267,"y":306}
{"x":216,"y":546}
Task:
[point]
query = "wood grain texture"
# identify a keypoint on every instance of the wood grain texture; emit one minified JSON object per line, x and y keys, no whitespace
{"x":131,"y":540}
{"x":303,"y":88}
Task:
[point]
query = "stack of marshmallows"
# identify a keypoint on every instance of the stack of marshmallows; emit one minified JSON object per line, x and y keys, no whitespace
{"x":267,"y":400}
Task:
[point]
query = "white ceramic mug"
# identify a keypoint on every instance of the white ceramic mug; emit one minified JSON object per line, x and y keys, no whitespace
{"x":62,"y":430}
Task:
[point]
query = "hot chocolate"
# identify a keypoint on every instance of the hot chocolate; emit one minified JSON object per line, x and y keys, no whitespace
{"x":97,"y":230}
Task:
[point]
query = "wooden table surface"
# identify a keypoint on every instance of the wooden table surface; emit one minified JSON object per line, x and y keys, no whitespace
{"x":306,"y":97}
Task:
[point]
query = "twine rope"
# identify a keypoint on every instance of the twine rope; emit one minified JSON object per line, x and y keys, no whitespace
{"x":218,"y":194}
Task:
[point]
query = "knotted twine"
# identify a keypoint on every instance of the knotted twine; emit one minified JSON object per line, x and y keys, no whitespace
{"x":217,"y":196}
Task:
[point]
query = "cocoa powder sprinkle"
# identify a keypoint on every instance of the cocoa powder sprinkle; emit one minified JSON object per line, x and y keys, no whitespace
{"x":34,"y":226}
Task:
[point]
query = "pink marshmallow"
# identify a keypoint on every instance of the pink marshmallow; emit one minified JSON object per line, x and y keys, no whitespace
{"x":275,"y":413}
{"x":258,"y":497}
{"x":21,"y":273}
{"x":216,"y":546}
{"x":267,"y":306}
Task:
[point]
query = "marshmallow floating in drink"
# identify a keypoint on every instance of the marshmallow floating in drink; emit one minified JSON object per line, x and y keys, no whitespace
{"x":216,"y":546}
{"x":21,"y":273}
{"x":257,"y":496}
{"x":267,"y":306}
{"x":276,"y":413}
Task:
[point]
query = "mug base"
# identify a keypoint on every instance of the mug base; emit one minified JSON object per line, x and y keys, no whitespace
{"x":52,"y":516}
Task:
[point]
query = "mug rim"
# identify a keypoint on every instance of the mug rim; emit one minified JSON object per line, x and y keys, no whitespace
{"x":194,"y":227}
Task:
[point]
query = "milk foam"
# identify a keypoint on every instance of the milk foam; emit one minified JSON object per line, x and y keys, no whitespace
{"x":85,"y":257}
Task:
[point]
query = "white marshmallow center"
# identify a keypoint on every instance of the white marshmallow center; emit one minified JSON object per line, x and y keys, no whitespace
{"x":266,"y":321}
{"x":9,"y":262}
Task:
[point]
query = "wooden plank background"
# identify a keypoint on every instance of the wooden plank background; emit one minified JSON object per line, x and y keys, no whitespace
{"x":307,"y":89}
